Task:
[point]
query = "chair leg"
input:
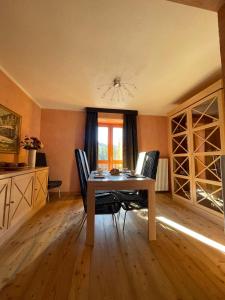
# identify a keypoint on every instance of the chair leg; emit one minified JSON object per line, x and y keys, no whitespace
{"x":59,"y":193}
{"x":124,"y":220}
{"x":115,"y":221}
{"x":118,"y":215}
{"x":113,"y":218}
{"x":48,"y":200}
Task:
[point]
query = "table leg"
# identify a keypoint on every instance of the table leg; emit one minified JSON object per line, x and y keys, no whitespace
{"x":90,"y":230}
{"x":151,"y":212}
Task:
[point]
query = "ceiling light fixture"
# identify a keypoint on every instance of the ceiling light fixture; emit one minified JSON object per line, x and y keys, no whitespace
{"x":117,"y":90}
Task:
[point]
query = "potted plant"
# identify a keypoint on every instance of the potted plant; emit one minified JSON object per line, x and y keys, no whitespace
{"x":32,"y":144}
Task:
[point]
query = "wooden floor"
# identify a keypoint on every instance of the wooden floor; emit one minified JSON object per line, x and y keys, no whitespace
{"x":48,"y":259}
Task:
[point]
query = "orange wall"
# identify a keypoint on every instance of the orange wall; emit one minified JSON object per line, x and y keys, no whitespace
{"x":15,"y":99}
{"x":153,"y":134}
{"x":61,"y":132}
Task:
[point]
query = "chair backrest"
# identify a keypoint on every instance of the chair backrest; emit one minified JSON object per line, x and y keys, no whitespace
{"x":151,"y":164}
{"x":82,"y":176}
{"x":140,"y":163}
{"x":86,"y":163}
{"x":41,"y":160}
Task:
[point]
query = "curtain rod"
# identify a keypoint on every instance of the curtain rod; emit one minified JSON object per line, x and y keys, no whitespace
{"x":115,"y":111}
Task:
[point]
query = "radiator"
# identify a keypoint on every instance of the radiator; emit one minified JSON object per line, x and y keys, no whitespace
{"x":162,"y":175}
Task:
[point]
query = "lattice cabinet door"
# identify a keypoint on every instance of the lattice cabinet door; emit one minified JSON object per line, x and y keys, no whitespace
{"x":180,"y":163}
{"x":207,"y":128}
{"x":41,"y":188}
{"x":21,"y":199}
{"x":5,"y":185}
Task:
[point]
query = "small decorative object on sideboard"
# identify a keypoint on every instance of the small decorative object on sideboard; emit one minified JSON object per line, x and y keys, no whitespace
{"x":32,"y":144}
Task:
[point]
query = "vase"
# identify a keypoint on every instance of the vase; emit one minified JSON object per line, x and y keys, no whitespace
{"x":32,"y":158}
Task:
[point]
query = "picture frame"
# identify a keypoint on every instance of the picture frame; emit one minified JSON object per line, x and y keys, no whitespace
{"x":10,"y":129}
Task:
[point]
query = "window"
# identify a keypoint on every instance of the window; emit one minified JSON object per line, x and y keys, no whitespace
{"x":110,"y":146}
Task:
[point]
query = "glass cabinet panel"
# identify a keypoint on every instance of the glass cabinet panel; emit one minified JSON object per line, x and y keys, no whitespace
{"x":210,"y":196}
{"x":179,"y":144}
{"x":181,"y":165}
{"x":179,"y":123}
{"x":205,"y":113}
{"x":182,"y":187}
{"x":207,"y":139}
{"x":208,"y":167}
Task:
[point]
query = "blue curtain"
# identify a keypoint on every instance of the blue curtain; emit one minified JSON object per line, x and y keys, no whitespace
{"x":91,"y":139}
{"x":130,"y":145}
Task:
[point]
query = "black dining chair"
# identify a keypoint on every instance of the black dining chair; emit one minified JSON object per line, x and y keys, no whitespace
{"x":136,"y":200}
{"x":41,"y":161}
{"x":105,"y":202}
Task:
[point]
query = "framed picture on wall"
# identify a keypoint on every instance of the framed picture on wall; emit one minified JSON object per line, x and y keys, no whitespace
{"x":10,"y":124}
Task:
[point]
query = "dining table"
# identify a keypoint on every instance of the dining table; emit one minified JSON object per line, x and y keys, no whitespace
{"x":122,"y":181}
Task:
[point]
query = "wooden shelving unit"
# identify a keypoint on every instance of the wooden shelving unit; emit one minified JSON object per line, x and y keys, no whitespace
{"x":197,"y":143}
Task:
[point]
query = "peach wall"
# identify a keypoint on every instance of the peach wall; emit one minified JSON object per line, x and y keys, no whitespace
{"x":61,"y":132}
{"x":153,"y":134}
{"x":15,"y":99}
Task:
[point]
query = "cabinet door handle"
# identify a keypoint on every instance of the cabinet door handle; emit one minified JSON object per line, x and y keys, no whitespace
{"x":12,"y":201}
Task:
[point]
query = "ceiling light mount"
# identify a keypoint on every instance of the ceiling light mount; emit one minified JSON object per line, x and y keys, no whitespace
{"x":117,"y":90}
{"x":117,"y":82}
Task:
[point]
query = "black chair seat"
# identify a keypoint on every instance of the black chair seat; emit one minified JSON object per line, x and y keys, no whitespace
{"x":54,"y":184}
{"x":106,"y":203}
{"x":139,"y":199}
{"x":131,"y":201}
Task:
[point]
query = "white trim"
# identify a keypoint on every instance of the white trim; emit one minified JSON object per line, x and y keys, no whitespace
{"x":19,"y":86}
{"x":63,"y":109}
{"x":53,"y":107}
{"x":83,"y":110}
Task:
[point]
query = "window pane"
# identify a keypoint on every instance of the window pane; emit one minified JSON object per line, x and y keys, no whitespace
{"x":117,"y":143}
{"x":104,"y":167}
{"x":102,"y":143}
{"x":118,"y":166}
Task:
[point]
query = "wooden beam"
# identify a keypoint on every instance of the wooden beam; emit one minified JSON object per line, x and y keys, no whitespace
{"x":221,"y":21}
{"x":214,"y":5}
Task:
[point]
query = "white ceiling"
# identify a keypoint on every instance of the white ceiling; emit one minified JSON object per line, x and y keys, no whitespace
{"x":60,"y":52}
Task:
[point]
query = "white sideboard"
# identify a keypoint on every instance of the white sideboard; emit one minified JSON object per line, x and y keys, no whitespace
{"x":22,"y":193}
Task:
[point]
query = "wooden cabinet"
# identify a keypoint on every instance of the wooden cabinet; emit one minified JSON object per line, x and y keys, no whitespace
{"x":5,"y":186}
{"x":22,"y":193}
{"x":41,"y":188}
{"x":21,"y":199}
{"x":197,"y":143}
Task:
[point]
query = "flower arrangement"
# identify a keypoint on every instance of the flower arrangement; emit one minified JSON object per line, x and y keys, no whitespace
{"x":31,"y":143}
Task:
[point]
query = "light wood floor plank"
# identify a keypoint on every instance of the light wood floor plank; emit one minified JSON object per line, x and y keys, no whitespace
{"x":48,"y":259}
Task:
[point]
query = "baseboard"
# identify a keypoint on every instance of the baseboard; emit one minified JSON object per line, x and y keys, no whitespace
{"x":64,"y":196}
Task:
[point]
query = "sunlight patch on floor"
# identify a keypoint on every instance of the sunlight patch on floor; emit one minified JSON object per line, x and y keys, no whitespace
{"x":143,"y":214}
{"x":192,"y":233}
